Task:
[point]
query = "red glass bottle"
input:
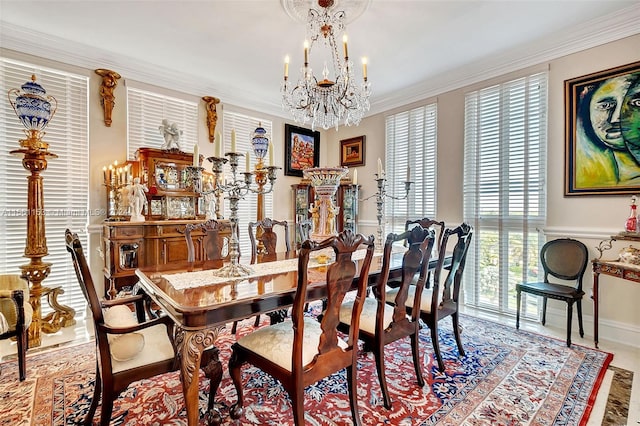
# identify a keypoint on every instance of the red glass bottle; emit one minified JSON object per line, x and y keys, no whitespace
{"x":632,"y":222}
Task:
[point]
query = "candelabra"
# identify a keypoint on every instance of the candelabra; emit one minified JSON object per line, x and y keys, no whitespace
{"x":235,"y":189}
{"x":381,"y":195}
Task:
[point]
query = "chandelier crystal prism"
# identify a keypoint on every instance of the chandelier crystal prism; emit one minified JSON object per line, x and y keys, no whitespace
{"x":326,"y":103}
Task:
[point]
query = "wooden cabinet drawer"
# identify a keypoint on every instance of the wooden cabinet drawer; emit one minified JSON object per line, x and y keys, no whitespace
{"x":129,"y":231}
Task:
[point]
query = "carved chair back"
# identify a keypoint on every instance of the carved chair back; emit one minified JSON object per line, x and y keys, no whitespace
{"x":262,"y":232}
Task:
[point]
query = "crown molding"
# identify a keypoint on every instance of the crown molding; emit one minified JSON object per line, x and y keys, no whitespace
{"x":615,"y":26}
{"x":612,"y":27}
{"x":30,"y":42}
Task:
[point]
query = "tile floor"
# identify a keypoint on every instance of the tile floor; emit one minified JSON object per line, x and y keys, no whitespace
{"x":625,"y":357}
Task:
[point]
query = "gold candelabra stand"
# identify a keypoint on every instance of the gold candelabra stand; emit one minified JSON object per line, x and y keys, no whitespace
{"x":35,"y":108}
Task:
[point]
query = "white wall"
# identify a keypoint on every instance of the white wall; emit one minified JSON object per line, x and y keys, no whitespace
{"x":589,"y":218}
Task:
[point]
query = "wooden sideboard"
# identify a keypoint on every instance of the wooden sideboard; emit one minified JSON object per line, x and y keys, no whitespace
{"x":130,"y":245}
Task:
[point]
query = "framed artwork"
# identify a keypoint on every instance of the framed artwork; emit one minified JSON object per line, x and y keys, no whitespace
{"x":302,"y":149}
{"x":352,"y":152}
{"x":602,"y":132}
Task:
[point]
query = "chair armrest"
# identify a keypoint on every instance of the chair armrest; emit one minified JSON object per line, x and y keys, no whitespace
{"x":124,"y":330}
{"x":120,"y":301}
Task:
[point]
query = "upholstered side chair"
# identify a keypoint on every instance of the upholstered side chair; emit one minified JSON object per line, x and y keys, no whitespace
{"x":382,"y":323}
{"x":442,"y":299}
{"x":564,"y":259}
{"x":128,"y":347}
{"x":300,"y":351}
{"x":15,"y":316}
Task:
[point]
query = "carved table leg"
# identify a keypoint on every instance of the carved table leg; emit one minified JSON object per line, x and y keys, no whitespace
{"x":190,"y":346}
{"x":212,"y":368}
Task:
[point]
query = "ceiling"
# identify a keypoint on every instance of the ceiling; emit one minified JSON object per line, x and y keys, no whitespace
{"x":234,"y":49}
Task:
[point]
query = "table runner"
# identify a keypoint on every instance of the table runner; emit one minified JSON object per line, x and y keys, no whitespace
{"x":184,"y":280}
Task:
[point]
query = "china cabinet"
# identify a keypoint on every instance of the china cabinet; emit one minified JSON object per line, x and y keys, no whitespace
{"x":346,"y":198}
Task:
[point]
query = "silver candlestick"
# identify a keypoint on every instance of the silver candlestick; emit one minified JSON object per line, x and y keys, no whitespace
{"x":237,"y":189}
{"x":380,"y":195}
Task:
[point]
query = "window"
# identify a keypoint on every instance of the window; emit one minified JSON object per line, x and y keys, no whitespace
{"x":505,"y":189}
{"x":244,"y":127}
{"x":66,"y":180}
{"x":411,"y":143}
{"x":147,"y":110}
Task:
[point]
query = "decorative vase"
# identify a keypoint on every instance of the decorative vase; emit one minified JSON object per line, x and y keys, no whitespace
{"x":325,"y":182}
{"x":33,"y":106}
{"x":260,"y":142}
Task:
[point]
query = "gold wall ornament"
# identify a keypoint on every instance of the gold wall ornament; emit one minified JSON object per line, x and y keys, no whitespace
{"x":109,"y":83}
{"x":212,"y":115}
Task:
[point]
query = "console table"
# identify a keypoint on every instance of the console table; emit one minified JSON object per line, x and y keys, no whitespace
{"x":615,"y":268}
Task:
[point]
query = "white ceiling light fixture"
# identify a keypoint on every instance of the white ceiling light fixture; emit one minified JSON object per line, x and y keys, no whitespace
{"x":325,"y":102}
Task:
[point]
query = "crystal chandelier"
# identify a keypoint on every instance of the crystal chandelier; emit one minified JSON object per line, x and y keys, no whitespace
{"x":325,"y":102}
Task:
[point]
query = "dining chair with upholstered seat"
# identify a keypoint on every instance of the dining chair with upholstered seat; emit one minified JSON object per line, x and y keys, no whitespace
{"x":128,"y":347}
{"x":301,"y":351}
{"x":214,"y":245}
{"x":564,"y":259}
{"x":382,"y":323}
{"x":261,"y":233}
{"x":264,"y":243}
{"x":442,"y":299}
{"x":15,"y":316}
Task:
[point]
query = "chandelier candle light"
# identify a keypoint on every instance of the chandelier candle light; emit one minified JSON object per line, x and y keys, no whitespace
{"x":237,"y":188}
{"x":326,"y":103}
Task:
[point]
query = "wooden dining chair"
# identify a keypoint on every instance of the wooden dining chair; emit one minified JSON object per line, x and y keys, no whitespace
{"x":262,"y":232}
{"x":301,"y":351}
{"x":212,"y":243}
{"x":15,"y":316}
{"x":128,"y":347}
{"x":382,"y":323}
{"x":564,"y":259}
{"x":442,"y":299}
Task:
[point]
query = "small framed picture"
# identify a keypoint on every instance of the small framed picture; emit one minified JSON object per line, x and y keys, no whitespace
{"x":352,"y":152}
{"x":302,"y":149}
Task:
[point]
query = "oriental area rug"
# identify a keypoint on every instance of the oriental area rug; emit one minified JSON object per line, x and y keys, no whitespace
{"x":507,"y":377}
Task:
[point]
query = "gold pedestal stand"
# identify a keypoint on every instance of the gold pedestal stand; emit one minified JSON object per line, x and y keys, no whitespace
{"x":35,"y":153}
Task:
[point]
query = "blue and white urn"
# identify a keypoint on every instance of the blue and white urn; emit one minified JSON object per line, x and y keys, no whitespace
{"x":33,"y":106}
{"x":260,"y":142}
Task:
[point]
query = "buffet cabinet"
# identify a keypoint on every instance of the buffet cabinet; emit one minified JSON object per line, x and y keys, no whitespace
{"x":346,"y":198}
{"x":130,"y":245}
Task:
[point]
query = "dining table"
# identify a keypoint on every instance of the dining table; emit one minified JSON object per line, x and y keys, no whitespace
{"x":202,"y":303}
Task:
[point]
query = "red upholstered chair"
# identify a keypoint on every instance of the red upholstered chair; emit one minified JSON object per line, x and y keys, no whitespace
{"x":382,"y":323}
{"x":301,"y":351}
{"x":442,"y":299}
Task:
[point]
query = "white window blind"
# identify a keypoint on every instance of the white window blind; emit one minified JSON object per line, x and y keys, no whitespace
{"x":505,"y":189}
{"x":66,"y":180}
{"x":411,"y":143}
{"x":145,"y":112}
{"x":244,"y":127}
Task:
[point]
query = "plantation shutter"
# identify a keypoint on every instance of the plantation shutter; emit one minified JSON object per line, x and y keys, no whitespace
{"x":145,"y":112}
{"x":504,"y":187}
{"x":411,"y":143}
{"x":244,"y":127}
{"x":66,"y":180}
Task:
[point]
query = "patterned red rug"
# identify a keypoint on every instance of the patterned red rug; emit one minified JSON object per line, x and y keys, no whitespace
{"x":507,"y":377}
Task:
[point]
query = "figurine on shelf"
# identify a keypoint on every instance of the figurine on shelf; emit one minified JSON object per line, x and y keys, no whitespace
{"x":632,"y":221}
{"x":171,"y":135}
{"x":137,"y":200}
{"x":210,"y":201}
